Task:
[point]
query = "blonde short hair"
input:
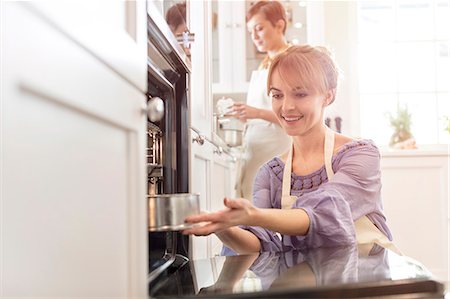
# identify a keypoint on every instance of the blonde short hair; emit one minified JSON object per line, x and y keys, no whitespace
{"x":308,"y":66}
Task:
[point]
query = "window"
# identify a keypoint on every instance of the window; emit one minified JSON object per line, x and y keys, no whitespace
{"x":404,"y":61}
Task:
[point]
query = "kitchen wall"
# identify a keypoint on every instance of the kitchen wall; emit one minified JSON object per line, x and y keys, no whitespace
{"x":339,"y":23}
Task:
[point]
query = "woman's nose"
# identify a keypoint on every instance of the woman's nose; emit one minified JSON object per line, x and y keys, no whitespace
{"x":288,"y":104}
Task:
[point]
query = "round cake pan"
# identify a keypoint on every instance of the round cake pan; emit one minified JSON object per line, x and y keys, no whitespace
{"x":166,"y":212}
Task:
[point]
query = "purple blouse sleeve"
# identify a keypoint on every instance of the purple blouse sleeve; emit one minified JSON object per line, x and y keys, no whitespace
{"x":262,"y":198}
{"x":358,"y":180}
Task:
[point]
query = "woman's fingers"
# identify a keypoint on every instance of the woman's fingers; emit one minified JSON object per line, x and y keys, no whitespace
{"x":233,"y":203}
{"x":210,"y":217}
{"x":204,"y":230}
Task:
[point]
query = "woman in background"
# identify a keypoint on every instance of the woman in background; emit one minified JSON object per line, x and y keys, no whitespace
{"x":263,"y":137}
{"x":176,"y":18}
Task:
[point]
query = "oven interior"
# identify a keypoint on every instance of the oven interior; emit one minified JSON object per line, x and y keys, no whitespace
{"x":167,"y":147}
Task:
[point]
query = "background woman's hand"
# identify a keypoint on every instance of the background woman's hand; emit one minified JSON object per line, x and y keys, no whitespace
{"x":243,"y":111}
{"x":238,"y":212}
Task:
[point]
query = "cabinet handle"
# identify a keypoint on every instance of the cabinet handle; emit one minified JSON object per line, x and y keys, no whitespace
{"x":228,"y":25}
{"x":237,"y":25}
{"x":218,"y":150}
{"x":200,"y":139}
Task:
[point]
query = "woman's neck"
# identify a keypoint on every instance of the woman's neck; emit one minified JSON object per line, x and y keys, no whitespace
{"x":280,"y":48}
{"x":311,"y":143}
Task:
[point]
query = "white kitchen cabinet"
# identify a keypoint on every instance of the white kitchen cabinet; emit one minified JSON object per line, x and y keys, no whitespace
{"x":201,"y":160}
{"x":211,"y":173}
{"x":201,"y":100}
{"x":213,"y":178}
{"x":201,"y":119}
{"x":222,"y":185}
{"x":113,"y":31}
{"x":415,"y":196}
{"x":73,"y":210}
{"x":229,"y":47}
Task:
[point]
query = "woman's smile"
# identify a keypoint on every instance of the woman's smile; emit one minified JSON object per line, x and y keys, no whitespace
{"x":291,"y":119}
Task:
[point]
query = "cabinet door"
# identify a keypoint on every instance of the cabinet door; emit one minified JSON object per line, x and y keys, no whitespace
{"x":220,"y":188}
{"x":415,"y":189}
{"x":73,"y":218}
{"x":201,"y":95}
{"x":211,"y":175}
{"x":229,"y":46}
{"x":221,"y":47}
{"x":201,"y":156}
{"x":115,"y":31}
{"x":245,"y":56}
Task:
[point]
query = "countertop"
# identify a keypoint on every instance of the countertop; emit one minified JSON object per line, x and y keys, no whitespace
{"x":343,"y":272}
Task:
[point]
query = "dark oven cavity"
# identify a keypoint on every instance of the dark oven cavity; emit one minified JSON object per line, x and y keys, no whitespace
{"x":168,"y":141}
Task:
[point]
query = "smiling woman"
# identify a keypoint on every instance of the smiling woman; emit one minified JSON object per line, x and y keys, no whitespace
{"x":335,"y":198}
{"x":299,"y":89}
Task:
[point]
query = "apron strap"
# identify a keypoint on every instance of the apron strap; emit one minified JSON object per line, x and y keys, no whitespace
{"x":286,"y":199}
{"x":328,"y":152}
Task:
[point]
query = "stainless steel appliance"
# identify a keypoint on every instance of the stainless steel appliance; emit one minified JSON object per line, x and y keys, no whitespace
{"x":168,"y":147}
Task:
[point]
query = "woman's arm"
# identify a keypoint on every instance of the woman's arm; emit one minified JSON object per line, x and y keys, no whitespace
{"x":239,"y":240}
{"x":294,"y":222}
{"x":241,"y":212}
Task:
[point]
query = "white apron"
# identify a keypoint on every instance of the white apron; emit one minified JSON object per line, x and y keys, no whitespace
{"x":366,"y":232}
{"x":262,"y":140}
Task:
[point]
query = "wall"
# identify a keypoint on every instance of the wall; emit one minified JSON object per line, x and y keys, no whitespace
{"x":340,"y":35}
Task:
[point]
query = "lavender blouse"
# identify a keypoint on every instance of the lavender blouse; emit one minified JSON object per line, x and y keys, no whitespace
{"x":332,"y":206}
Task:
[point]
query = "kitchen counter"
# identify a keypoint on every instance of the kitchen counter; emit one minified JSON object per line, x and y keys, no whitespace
{"x":437,"y":150}
{"x":344,"y":272}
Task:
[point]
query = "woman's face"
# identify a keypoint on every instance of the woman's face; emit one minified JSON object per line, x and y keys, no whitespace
{"x":298,"y":109}
{"x":265,"y":36}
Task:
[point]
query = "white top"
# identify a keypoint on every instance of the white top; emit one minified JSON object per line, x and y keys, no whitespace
{"x":257,"y":93}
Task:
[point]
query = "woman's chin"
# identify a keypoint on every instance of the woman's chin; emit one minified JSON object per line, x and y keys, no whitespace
{"x":294,"y":130}
{"x":291,"y":132}
{"x":261,"y":48}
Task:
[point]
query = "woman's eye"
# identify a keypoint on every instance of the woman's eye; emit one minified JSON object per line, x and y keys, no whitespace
{"x":300,"y":95}
{"x":277,"y":96}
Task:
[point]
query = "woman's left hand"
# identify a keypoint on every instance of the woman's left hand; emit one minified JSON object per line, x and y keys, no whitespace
{"x":239,"y":212}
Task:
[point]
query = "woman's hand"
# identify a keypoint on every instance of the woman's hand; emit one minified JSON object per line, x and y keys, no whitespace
{"x":238,"y":212}
{"x":244,"y":112}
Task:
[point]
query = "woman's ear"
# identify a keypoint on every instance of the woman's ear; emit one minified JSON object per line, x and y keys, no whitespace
{"x":329,"y":97}
{"x":280,"y":25}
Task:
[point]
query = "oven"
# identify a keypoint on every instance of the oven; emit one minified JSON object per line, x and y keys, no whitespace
{"x":168,"y":134}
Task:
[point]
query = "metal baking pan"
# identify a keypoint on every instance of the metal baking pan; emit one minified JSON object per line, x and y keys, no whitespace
{"x":166,"y":212}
